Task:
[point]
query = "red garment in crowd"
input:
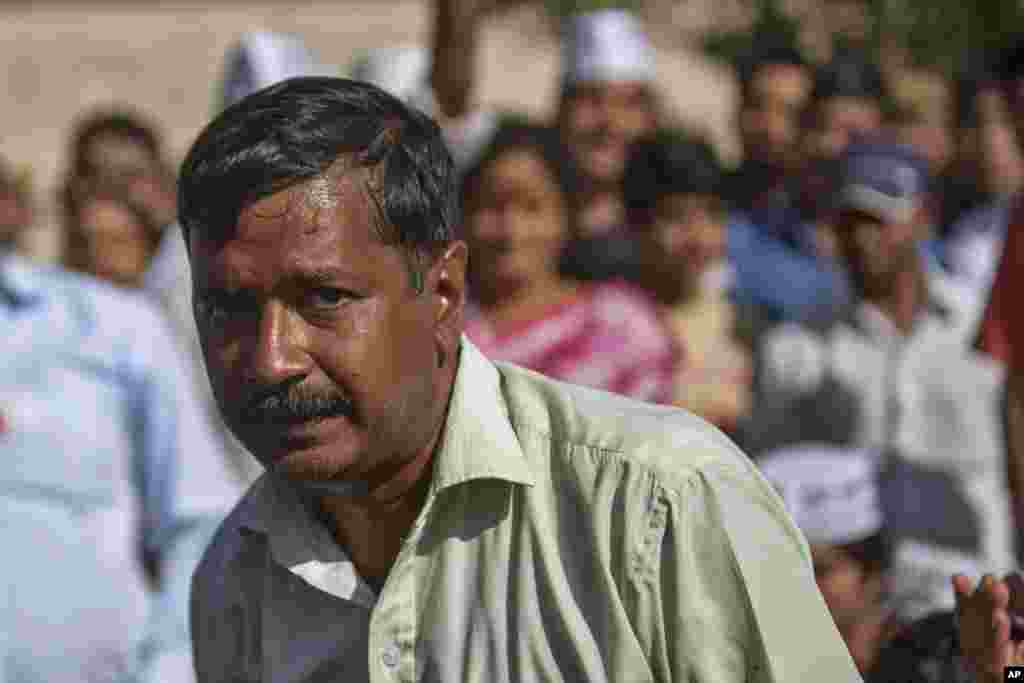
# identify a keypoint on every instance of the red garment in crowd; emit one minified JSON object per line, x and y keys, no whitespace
{"x":609,"y":337}
{"x":1001,"y":334}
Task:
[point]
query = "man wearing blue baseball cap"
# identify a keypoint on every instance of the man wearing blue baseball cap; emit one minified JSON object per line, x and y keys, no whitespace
{"x":916,"y":392}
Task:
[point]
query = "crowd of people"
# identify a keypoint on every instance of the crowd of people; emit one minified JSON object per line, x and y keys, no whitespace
{"x":839,"y":305}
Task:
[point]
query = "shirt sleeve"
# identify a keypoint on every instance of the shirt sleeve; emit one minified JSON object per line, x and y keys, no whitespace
{"x":184,"y":490}
{"x":733,"y":577}
{"x":769,"y":273}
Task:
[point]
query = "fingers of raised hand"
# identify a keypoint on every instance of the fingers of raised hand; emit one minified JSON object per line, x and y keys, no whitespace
{"x":984,"y":624}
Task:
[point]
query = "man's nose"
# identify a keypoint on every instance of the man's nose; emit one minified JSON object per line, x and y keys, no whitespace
{"x":279,"y":350}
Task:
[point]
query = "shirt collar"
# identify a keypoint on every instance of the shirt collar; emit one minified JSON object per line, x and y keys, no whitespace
{"x":872,"y":321}
{"x":19,"y":282}
{"x":478,"y":443}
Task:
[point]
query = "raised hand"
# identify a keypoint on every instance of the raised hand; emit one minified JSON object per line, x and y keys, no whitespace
{"x":984,"y":619}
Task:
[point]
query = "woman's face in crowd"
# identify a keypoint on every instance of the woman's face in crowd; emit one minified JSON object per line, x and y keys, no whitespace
{"x":113,"y":242}
{"x":115,"y":157}
{"x":601,"y":121}
{"x":516,"y":221}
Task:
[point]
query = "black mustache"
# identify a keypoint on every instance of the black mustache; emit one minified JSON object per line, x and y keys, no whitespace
{"x":294,"y":405}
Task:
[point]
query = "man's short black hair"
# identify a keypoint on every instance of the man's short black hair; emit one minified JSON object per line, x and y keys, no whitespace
{"x":1008,"y":64}
{"x":668,"y":163}
{"x":850,"y":74}
{"x":294,"y":131}
{"x":874,"y":553}
{"x":1008,"y":71}
{"x":115,"y":122}
{"x":765,"y":52}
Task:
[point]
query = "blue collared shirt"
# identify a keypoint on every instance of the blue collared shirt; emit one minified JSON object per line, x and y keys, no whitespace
{"x":107,"y":459}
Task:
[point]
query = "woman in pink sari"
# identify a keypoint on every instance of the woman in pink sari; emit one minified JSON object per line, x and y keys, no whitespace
{"x":605,"y":335}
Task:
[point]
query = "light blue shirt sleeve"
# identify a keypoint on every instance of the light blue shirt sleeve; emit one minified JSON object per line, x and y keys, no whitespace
{"x":108,"y":456}
{"x":185,"y":489}
{"x":790,"y":285}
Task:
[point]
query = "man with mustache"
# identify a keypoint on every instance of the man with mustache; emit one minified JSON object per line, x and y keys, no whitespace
{"x":426,"y":514}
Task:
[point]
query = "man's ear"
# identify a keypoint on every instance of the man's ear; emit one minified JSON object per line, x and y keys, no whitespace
{"x":446,"y":286}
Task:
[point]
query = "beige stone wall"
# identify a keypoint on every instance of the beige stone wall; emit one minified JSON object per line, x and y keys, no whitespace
{"x":59,"y":58}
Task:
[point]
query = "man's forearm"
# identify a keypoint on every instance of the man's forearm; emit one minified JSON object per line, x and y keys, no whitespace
{"x":454,"y":50}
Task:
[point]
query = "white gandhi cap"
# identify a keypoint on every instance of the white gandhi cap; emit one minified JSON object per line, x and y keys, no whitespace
{"x":830,"y":492}
{"x":263,"y":58}
{"x":607,"y":45}
{"x":402,"y":71}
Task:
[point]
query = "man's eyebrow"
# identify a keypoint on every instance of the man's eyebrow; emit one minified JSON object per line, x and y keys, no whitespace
{"x":319,"y":276}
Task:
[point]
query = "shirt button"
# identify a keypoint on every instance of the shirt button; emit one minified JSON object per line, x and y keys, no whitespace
{"x":390,"y":656}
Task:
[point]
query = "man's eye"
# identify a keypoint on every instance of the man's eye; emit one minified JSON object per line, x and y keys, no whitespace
{"x":216,"y":307}
{"x":329,"y":297}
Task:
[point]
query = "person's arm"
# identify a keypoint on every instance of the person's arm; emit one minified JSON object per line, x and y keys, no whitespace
{"x":732,"y":587}
{"x":790,"y":285}
{"x":454,"y":53}
{"x":183,"y":489}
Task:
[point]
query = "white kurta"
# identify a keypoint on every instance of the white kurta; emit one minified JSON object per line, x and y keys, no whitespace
{"x":929,"y":406}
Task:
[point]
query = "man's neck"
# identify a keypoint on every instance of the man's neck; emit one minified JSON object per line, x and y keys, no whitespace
{"x":373,"y":531}
{"x":905,"y":300}
{"x":373,"y":527}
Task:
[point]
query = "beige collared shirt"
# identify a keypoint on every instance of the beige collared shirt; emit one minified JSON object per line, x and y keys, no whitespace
{"x":569,"y":535}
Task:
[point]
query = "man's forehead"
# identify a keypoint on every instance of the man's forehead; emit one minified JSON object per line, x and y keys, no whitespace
{"x":327,"y":220}
{"x":331,"y":206}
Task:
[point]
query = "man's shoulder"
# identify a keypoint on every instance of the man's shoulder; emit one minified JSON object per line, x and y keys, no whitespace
{"x":224,"y":557}
{"x":246,"y":519}
{"x":669,"y":442}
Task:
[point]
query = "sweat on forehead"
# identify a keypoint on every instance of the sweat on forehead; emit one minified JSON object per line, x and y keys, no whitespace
{"x":336,"y":198}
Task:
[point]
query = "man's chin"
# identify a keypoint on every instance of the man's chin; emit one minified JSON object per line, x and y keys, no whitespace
{"x":307,"y":456}
{"x":313,"y":474}
{"x":324,"y":487}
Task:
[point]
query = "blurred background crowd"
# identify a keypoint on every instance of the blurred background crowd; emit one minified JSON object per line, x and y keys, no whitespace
{"x":793,"y":232}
